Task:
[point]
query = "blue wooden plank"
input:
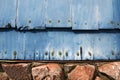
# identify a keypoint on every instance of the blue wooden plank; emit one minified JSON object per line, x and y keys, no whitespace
{"x":35,"y":46}
{"x":106,"y":14}
{"x":7,"y":13}
{"x":56,"y":45}
{"x":59,"y":45}
{"x":83,"y":46}
{"x":117,"y":46}
{"x":35,"y":14}
{"x":11,"y":45}
{"x":104,"y":46}
{"x":58,"y":13}
{"x":8,"y":46}
{"x":31,"y":14}
{"x":116,"y":15}
{"x":2,"y":42}
{"x":85,"y":14}
{"x":95,"y":14}
{"x":87,"y":47}
{"x":69,"y":50}
{"x":20,"y":45}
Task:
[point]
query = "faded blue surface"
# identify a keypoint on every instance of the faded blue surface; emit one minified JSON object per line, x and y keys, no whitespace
{"x":60,"y":29}
{"x":75,"y":14}
{"x":58,"y":13}
{"x":96,"y":14}
{"x":7,"y":13}
{"x":60,"y":45}
{"x":85,"y":14}
{"x":31,"y":14}
{"x":116,"y":10}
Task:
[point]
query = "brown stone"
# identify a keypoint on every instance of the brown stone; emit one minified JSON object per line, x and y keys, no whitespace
{"x":3,"y":76}
{"x":48,"y":72}
{"x":40,"y":72}
{"x":56,"y":72}
{"x":111,"y":69}
{"x":21,"y":71}
{"x":82,"y":73}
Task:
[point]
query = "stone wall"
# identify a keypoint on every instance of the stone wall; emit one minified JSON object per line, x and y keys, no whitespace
{"x":55,"y":71}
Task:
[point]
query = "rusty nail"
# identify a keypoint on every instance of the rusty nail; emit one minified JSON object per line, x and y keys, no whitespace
{"x":112,"y":52}
{"x":46,"y":53}
{"x":58,"y":21}
{"x":37,"y":53}
{"x":29,"y":21}
{"x":81,"y":51}
{"x":112,"y":22}
{"x":60,"y":53}
{"x":52,"y":53}
{"x":49,"y":21}
{"x":77,"y":54}
{"x":67,"y":53}
{"x":5,"y":52}
{"x":90,"y":53}
{"x":85,"y":23}
{"x":118,"y":24}
{"x":68,"y":20}
{"x":15,"y":53}
{"x":9,"y":25}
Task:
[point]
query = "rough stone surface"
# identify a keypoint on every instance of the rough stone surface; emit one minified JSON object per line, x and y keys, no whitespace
{"x":55,"y":71}
{"x":82,"y":73}
{"x":48,"y":72}
{"x":111,"y":69}
{"x":19,"y":71}
{"x":3,"y":76}
{"x":40,"y":72}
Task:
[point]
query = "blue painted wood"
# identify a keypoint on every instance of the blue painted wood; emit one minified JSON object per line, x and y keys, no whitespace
{"x":105,"y":11}
{"x":102,"y":52}
{"x":7,"y":45}
{"x":31,"y":14}
{"x":20,"y":45}
{"x":78,"y":14}
{"x":55,"y":45}
{"x":58,"y":13}
{"x":7,"y":13}
{"x":95,"y":14}
{"x":59,"y":45}
{"x":117,"y":46}
{"x":85,"y":14}
{"x":2,"y":42}
{"x":116,"y":15}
